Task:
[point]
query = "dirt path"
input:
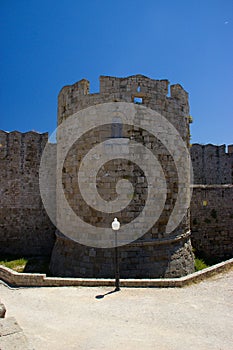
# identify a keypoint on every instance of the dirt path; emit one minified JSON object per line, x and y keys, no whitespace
{"x":195,"y":317}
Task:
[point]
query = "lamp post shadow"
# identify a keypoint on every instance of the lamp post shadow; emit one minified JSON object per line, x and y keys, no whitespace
{"x":101,"y":296}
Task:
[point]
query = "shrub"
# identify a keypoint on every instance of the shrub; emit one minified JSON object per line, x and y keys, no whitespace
{"x":200,"y":264}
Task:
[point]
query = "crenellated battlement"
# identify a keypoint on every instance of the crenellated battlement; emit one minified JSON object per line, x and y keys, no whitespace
{"x":18,"y":144}
{"x":137,"y":89}
{"x":212,"y":164}
{"x":135,"y":84}
{"x":213,"y":149}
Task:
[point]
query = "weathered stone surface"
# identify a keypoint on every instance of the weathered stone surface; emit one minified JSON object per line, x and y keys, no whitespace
{"x":25,"y":228}
{"x":212,"y":165}
{"x":212,"y":205}
{"x":2,"y":310}
{"x":147,"y":257}
{"x":12,"y":336}
{"x":152,"y":259}
{"x":9,"y":326}
{"x":212,"y":221}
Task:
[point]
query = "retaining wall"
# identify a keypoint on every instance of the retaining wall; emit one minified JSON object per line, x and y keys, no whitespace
{"x":40,"y":280}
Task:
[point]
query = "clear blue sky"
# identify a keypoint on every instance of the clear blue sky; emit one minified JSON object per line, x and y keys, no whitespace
{"x":47,"y":44}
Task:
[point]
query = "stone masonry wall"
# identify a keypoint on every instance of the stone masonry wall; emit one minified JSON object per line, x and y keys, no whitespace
{"x":212,"y":221}
{"x":212,"y":201}
{"x":153,"y":94}
{"x":25,"y":228}
{"x":148,"y":257}
{"x":212,"y":164}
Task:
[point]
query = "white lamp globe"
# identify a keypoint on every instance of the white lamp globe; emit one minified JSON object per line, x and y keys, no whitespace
{"x":115,"y":224}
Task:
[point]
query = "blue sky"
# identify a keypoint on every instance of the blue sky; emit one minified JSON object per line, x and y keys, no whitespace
{"x":48,"y":44}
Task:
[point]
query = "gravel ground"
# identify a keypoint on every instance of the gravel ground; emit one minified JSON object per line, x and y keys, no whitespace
{"x":195,"y":317}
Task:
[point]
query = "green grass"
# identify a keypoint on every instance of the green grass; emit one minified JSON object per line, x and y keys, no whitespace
{"x":200,"y":264}
{"x":29,"y":264}
{"x":16,"y":264}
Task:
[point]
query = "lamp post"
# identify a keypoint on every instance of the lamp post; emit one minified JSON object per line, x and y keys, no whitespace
{"x":116,"y":226}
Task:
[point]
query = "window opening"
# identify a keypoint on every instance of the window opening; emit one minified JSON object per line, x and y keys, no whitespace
{"x":138,"y":100}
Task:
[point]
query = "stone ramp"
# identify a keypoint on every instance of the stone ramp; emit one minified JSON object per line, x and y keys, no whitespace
{"x":12,"y":336}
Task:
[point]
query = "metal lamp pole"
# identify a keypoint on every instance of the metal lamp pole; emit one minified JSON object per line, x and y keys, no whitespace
{"x":116,"y":226}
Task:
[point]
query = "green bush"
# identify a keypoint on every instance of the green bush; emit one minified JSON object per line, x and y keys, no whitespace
{"x":200,"y":264}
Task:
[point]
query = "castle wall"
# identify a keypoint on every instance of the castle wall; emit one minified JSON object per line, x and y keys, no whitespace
{"x":163,"y":258}
{"x":212,"y":221}
{"x":149,"y":257}
{"x":212,"y":201}
{"x":153,"y":94}
{"x":212,"y":164}
{"x":25,"y":228}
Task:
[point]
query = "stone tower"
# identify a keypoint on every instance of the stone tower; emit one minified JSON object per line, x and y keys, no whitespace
{"x":157,"y":253}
